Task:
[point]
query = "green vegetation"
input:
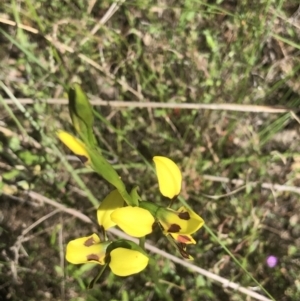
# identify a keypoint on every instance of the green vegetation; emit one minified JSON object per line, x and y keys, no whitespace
{"x":240,"y":161}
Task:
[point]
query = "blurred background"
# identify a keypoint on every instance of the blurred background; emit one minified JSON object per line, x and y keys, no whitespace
{"x":239,"y":154}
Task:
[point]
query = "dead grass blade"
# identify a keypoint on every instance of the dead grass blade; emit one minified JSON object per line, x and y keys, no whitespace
{"x":161,"y":105}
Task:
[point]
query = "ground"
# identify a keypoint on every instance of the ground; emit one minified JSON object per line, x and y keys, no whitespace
{"x":239,"y":155}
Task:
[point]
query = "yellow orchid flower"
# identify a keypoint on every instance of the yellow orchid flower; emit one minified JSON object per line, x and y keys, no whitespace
{"x":168,"y":175}
{"x":123,"y":257}
{"x":86,"y":249}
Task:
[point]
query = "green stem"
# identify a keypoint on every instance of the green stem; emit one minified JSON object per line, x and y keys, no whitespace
{"x":160,"y":290}
{"x":92,"y":283}
{"x":142,"y":242}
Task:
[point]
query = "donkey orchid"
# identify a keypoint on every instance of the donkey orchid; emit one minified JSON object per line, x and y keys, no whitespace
{"x":138,"y":221}
{"x":123,"y":257}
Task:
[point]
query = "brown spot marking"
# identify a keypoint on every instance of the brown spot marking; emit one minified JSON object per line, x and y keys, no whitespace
{"x":174,"y":228}
{"x":184,"y":215}
{"x":92,"y":257}
{"x":89,"y":242}
{"x":83,"y":159}
{"x":183,"y":238}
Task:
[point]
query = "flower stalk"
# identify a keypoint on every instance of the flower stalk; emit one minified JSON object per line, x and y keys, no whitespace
{"x":126,"y":210}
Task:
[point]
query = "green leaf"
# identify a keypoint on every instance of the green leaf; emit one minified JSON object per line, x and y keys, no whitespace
{"x":15,"y":144}
{"x":29,"y":158}
{"x":11,"y":175}
{"x":134,"y":195}
{"x":103,"y":168}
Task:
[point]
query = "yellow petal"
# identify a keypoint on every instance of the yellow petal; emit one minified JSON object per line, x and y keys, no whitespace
{"x":168,"y":175}
{"x":183,"y":221}
{"x":75,"y":145}
{"x":86,"y":249}
{"x":113,"y":201}
{"x":135,"y":221}
{"x":194,"y":222}
{"x":125,"y":262}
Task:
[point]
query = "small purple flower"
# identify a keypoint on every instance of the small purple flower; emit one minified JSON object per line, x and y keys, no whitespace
{"x":271,"y":261}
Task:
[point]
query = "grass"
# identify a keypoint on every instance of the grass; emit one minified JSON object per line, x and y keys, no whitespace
{"x":192,"y":51}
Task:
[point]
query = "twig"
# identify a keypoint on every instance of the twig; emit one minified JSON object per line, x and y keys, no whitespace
{"x":62,"y":259}
{"x":22,"y":26}
{"x":40,"y":220}
{"x":189,"y":106}
{"x":109,"y":13}
{"x":217,"y":197}
{"x":295,"y":116}
{"x":43,"y":199}
{"x":91,"y":5}
{"x":240,"y":182}
{"x":148,"y":246}
{"x":21,"y":238}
